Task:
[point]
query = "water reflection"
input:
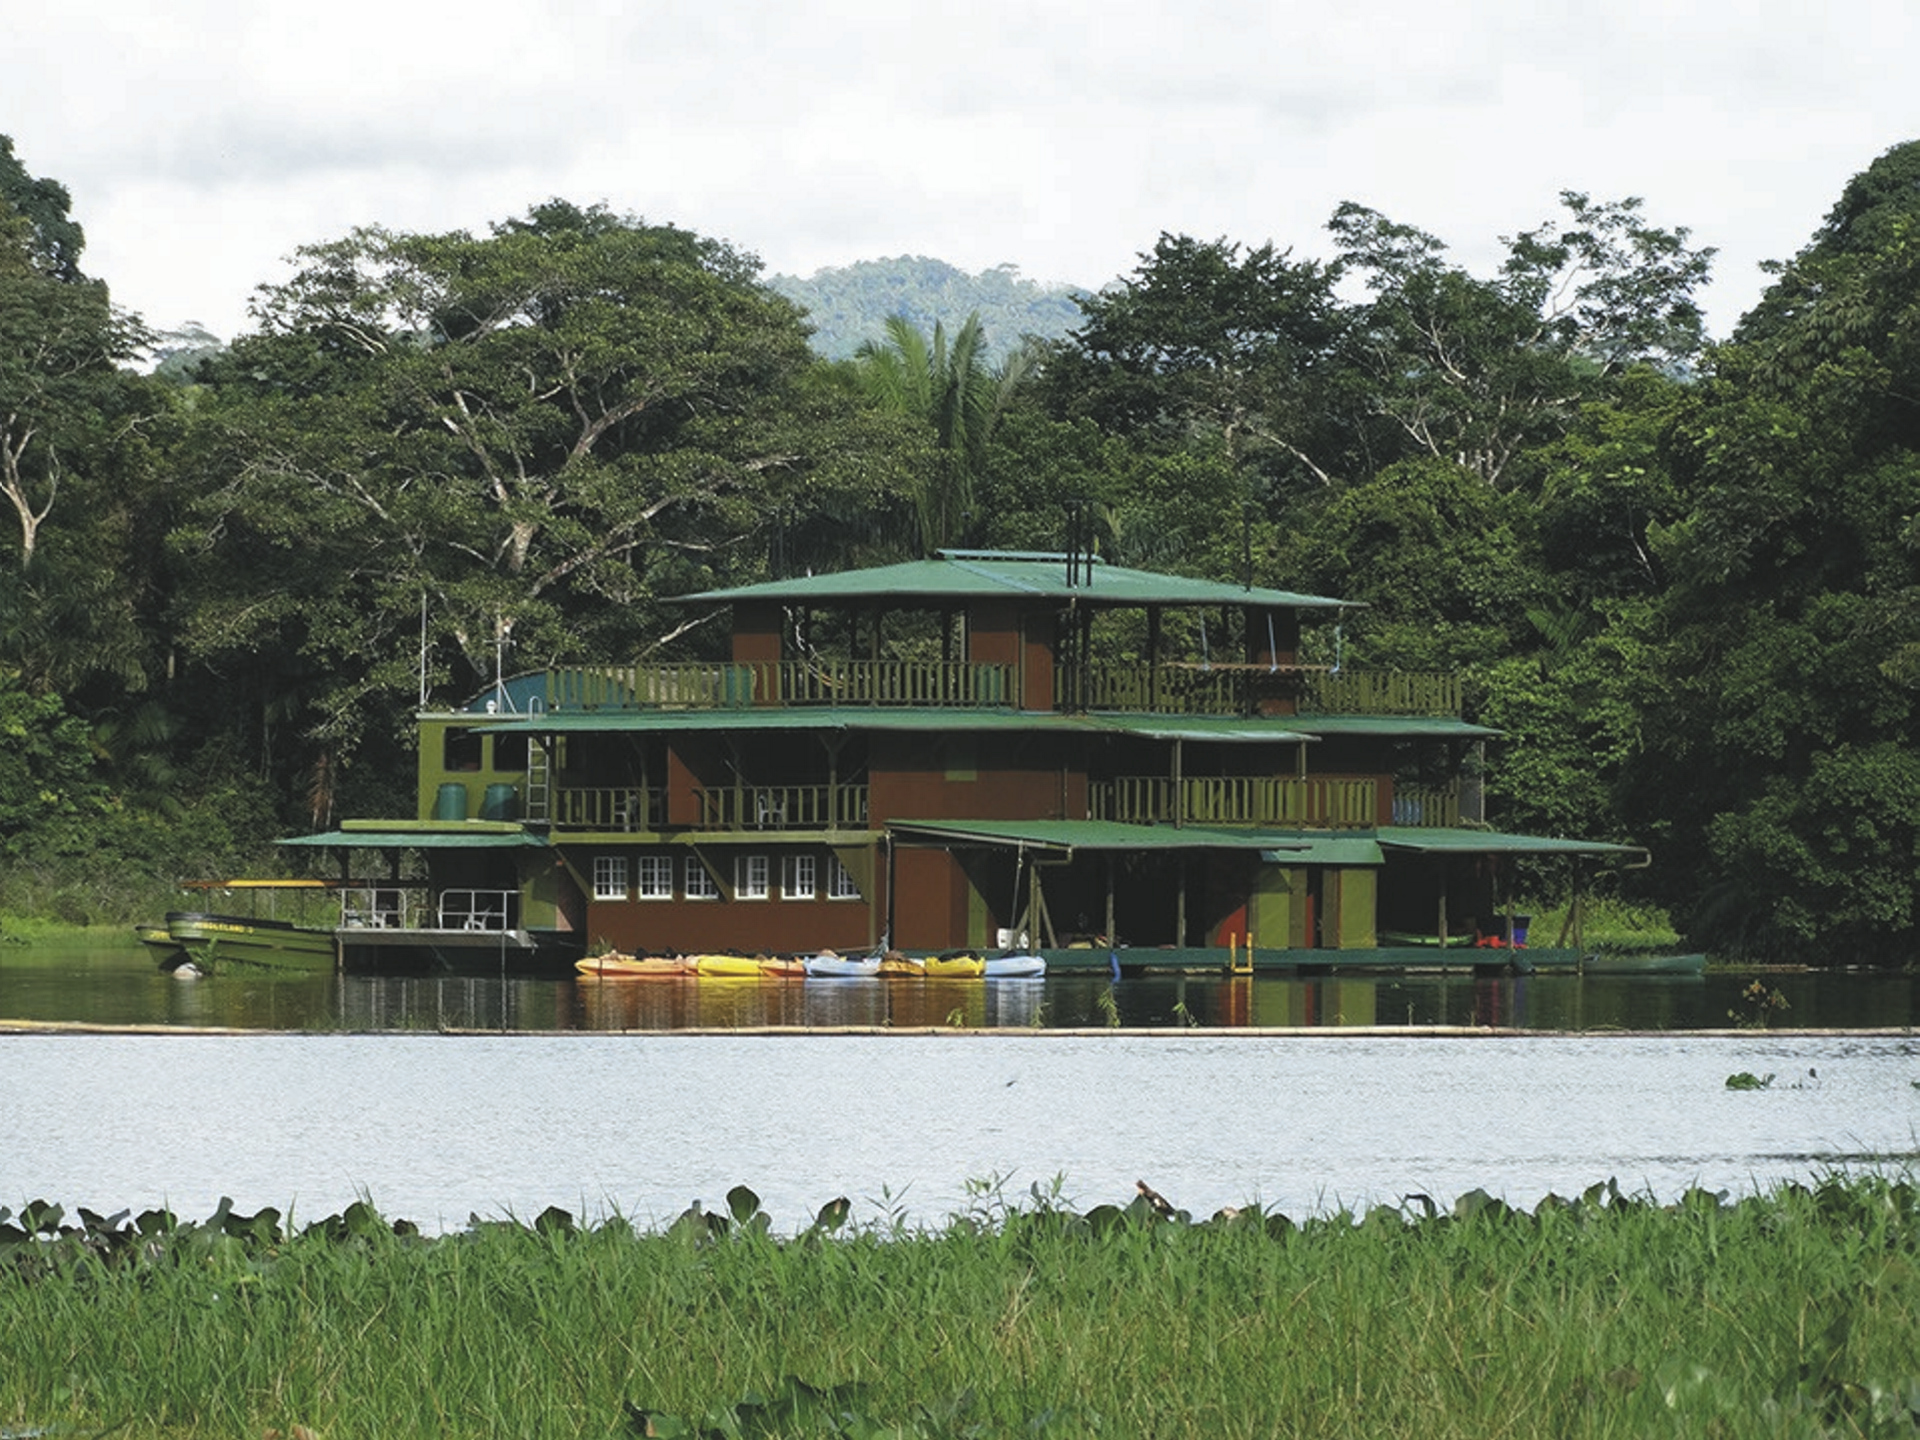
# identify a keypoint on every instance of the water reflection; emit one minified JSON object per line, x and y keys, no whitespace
{"x":122,"y":987}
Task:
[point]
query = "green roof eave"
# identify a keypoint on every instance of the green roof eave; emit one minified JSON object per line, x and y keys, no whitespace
{"x":420,"y":835}
{"x":1284,"y":847}
{"x":1408,"y":727}
{"x":956,"y":575}
{"x":1440,"y":840}
{"x":905,"y":719}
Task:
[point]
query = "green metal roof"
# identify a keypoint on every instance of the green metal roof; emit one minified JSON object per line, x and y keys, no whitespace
{"x":1285,"y":847}
{"x":954,"y":575}
{"x":1409,"y":727}
{"x":910,"y":719}
{"x":1282,"y":847}
{"x":411,"y":835}
{"x":1439,"y":840}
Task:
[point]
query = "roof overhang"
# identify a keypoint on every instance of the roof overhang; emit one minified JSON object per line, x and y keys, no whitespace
{"x":1065,"y":837}
{"x":1439,"y":840}
{"x":906,"y":720}
{"x":413,"y":835}
{"x":960,"y":575}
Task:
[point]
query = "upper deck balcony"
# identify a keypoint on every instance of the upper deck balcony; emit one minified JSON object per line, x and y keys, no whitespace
{"x":1167,"y":688}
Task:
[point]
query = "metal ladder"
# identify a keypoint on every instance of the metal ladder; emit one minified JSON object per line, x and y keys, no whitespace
{"x":539,"y":781}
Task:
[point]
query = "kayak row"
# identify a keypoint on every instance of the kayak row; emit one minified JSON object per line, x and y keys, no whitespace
{"x":827,"y":965}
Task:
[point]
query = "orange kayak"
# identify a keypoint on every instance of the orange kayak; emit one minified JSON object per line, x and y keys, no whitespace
{"x":615,"y":966}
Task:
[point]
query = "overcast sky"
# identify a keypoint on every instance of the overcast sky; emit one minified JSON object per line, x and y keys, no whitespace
{"x":203,"y":142}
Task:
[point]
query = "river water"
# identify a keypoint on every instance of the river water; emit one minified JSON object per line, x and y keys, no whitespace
{"x":587,"y":1097}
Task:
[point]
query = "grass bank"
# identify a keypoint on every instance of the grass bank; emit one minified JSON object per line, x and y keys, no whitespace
{"x":1795,"y":1313}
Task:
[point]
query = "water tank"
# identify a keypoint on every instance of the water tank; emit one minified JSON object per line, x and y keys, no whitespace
{"x":501,"y":802}
{"x":451,"y":802}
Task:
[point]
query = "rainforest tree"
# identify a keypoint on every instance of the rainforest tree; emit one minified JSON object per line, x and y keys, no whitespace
{"x":532,"y":435}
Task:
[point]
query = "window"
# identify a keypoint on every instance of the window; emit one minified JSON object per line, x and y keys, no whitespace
{"x":609,"y":877}
{"x":699,"y":882}
{"x":655,"y":877}
{"x":799,"y":878}
{"x":460,"y":749}
{"x":750,"y":877}
{"x":840,"y":882}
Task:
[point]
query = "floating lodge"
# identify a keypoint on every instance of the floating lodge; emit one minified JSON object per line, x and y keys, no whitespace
{"x":980,"y":750}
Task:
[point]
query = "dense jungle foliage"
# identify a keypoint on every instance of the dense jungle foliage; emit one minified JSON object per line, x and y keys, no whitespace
{"x":1682,"y":575}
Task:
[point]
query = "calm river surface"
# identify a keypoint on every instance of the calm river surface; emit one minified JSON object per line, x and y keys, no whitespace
{"x":436,"y":1128}
{"x":975,"y":1084}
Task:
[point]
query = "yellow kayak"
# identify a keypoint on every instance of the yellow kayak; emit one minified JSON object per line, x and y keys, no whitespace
{"x":726,"y":967}
{"x":955,"y":967}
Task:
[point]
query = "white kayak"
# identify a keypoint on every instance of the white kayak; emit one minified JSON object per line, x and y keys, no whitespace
{"x":1016,"y":967}
{"x":829,"y":966}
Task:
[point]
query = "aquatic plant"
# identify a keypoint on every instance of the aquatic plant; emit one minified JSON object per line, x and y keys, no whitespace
{"x":1601,"y":1314}
{"x":1757,"y":1007}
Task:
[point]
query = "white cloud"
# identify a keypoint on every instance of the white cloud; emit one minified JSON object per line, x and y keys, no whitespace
{"x":203,"y":142}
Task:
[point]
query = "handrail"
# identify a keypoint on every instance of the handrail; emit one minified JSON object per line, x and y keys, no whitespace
{"x":1330,"y":801}
{"x":783,"y":807}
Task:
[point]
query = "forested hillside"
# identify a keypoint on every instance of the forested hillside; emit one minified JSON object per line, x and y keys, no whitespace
{"x":849,"y":305}
{"x":1682,"y":576}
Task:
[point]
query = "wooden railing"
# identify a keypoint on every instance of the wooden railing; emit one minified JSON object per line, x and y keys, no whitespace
{"x":1381,"y":692}
{"x":1235,"y":800}
{"x":1174,"y":689}
{"x":893,"y":682}
{"x":608,"y":807}
{"x":715,"y":686}
{"x":1167,"y":688}
{"x":1253,"y":689}
{"x":1426,"y":805}
{"x":784,"y":807}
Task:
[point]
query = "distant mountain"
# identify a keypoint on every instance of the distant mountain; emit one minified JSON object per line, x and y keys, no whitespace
{"x":851,"y":303}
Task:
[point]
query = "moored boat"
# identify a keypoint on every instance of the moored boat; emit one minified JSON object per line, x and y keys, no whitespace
{"x":955,"y":967}
{"x":615,"y":966}
{"x":1015,"y":967}
{"x":726,"y":967}
{"x":830,"y":966}
{"x":213,"y":942}
{"x":1602,"y":962}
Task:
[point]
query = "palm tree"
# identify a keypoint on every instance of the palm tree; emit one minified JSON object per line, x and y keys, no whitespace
{"x":952,"y":389}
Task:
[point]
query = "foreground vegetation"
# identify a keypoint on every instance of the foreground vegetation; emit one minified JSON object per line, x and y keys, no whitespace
{"x":1793,"y":1313}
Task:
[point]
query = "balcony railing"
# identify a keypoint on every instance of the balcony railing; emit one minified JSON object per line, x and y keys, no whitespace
{"x":614,"y":807}
{"x":1166,"y":688}
{"x":394,"y":908}
{"x":1426,"y":805}
{"x":1236,"y":800}
{"x":1381,"y":692}
{"x":789,"y":682}
{"x":1251,"y":689}
{"x":784,"y":807}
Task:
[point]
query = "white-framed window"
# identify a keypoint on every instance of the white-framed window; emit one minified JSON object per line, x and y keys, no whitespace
{"x":749,"y":877}
{"x":654,"y":878}
{"x":840,"y":882}
{"x":698,"y":884}
{"x":609,"y":877}
{"x":799,"y":877}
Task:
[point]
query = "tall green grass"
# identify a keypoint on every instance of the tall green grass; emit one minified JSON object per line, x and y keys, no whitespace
{"x":1794,"y":1313}
{"x":1608,"y":924}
